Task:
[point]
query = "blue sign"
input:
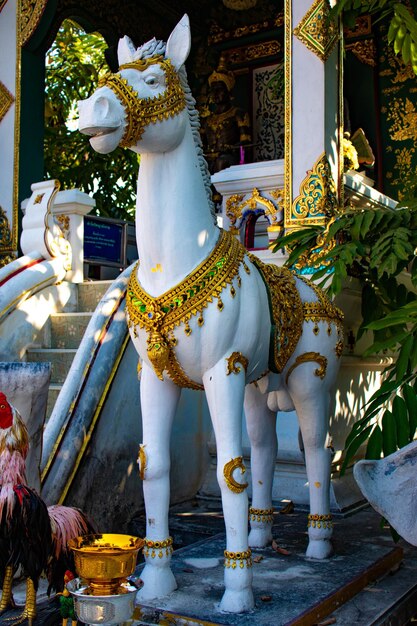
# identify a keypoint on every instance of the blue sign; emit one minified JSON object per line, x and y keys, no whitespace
{"x":102,"y":240}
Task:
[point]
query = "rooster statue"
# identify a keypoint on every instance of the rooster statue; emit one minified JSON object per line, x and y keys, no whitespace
{"x":32,"y":536}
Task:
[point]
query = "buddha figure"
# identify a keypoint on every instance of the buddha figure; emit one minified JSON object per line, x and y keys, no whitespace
{"x":225,"y":127}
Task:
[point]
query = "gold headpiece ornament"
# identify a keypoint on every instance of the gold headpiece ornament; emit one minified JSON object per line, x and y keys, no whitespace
{"x":143,"y":111}
{"x":222,"y":75}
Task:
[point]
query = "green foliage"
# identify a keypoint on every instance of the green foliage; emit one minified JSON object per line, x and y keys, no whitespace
{"x":375,"y":247}
{"x":402,"y":31}
{"x":75,"y":63}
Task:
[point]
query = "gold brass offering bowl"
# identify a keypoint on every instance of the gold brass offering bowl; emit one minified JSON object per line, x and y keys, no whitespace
{"x":105,"y":561}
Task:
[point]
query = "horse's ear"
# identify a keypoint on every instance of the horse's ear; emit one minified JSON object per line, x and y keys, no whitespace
{"x":179,"y":43}
{"x":125,"y":50}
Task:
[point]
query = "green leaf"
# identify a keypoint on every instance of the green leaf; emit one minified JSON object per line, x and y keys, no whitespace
{"x":374,"y":447}
{"x":380,"y":397}
{"x":399,"y":410}
{"x":401,"y":365}
{"x":389,"y":433}
{"x":354,"y":447}
{"x":410,"y":398}
{"x":391,"y":342}
{"x":367,"y":222}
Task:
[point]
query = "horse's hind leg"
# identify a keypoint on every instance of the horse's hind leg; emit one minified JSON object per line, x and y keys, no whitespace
{"x":225,"y":400}
{"x":260,"y":423}
{"x":311,"y":401}
{"x":158,"y":401}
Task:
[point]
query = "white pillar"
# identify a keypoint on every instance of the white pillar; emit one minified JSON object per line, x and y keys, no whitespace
{"x":9,"y":124}
{"x":313,"y":113}
{"x":69,"y":209}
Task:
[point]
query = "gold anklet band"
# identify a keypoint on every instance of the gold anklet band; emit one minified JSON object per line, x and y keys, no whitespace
{"x":320,"y":521}
{"x":238,"y":559}
{"x":261,"y":515}
{"x":159,"y":549}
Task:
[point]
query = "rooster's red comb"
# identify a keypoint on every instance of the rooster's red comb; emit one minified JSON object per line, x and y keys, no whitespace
{"x":6,"y":413}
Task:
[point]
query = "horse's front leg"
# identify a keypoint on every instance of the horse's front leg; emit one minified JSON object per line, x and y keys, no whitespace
{"x":159,"y":400}
{"x":225,"y":399}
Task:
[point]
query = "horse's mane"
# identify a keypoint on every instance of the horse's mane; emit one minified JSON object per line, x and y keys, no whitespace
{"x":152,"y":48}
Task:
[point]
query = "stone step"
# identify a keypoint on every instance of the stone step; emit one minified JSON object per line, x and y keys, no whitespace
{"x":53,"y":393}
{"x":90,"y":294}
{"x":67,"y":329}
{"x":59,"y":358}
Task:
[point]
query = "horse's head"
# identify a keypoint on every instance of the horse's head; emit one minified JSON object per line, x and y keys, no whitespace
{"x":128,"y":107}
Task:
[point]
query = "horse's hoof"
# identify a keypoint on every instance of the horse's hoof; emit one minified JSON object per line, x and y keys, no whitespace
{"x":319,"y":549}
{"x":260,"y":537}
{"x":237,"y":601}
{"x":157,"y":583}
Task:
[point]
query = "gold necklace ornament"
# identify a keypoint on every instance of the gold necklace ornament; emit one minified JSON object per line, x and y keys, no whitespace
{"x":160,"y":315}
{"x":143,"y":111}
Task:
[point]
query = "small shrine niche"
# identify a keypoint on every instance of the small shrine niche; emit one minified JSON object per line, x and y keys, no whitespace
{"x":251,"y":52}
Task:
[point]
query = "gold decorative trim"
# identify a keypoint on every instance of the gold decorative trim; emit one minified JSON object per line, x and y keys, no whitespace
{"x":159,"y":316}
{"x":177,"y":374}
{"x":261,"y":515}
{"x":153,"y":549}
{"x":364,"y":50}
{"x":143,"y":111}
{"x":286,"y":312}
{"x":339,"y":348}
{"x":315,"y":30}
{"x":246,"y":54}
{"x":31,"y":13}
{"x":322,"y":311}
{"x":217,"y":35}
{"x":340,"y":121}
{"x":17,"y":108}
{"x":5,"y":238}
{"x":142,"y":461}
{"x":233,"y":360}
{"x":317,"y":201}
{"x":320,"y":521}
{"x":288,"y":156}
{"x":228,"y":470}
{"x":236,"y":204}
{"x":238,"y":559}
{"x":5,"y":232}
{"x":6,"y":100}
{"x":64,"y":223}
{"x":306,"y":358}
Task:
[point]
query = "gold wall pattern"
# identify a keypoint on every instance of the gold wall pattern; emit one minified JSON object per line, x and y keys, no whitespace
{"x":243,"y":54}
{"x":317,"y":201}
{"x":31,"y":13}
{"x":6,"y":239}
{"x":364,"y":51}
{"x":6,"y":100}
{"x":315,"y":32}
{"x":218,"y":35}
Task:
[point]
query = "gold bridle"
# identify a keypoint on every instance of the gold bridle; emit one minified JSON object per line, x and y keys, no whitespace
{"x":143,"y":111}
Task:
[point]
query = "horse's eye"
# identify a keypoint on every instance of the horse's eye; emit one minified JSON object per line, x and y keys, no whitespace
{"x":151,"y":81}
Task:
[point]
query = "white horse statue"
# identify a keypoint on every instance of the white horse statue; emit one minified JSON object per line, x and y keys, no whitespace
{"x":205,"y":314}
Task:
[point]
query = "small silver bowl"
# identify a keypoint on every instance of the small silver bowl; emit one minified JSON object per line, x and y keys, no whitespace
{"x":113,"y":609}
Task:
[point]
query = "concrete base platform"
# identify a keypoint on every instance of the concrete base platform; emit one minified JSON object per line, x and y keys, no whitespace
{"x":363,"y":584}
{"x":289,"y":589}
